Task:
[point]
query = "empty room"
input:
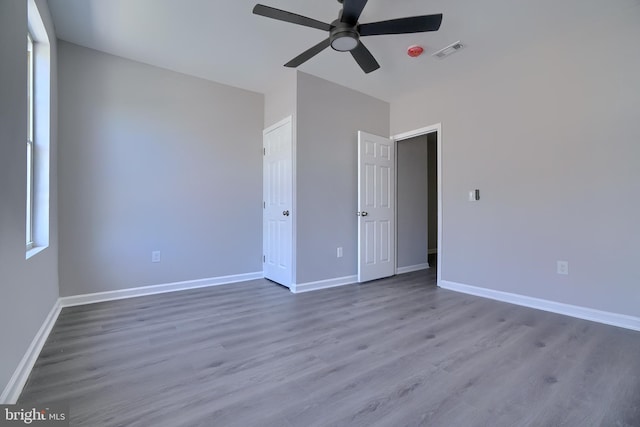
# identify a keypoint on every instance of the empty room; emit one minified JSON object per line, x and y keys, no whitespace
{"x":319,"y":213}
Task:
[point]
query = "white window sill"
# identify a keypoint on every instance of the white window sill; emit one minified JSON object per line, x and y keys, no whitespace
{"x":35,"y":250}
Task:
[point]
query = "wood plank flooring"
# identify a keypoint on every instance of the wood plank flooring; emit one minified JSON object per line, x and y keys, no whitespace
{"x":394,"y":352}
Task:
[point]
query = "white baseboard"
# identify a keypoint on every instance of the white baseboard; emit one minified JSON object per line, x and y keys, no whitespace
{"x":323,"y":284}
{"x":156,"y":289}
{"x":20,"y":376}
{"x":410,"y":268}
{"x":608,"y":318}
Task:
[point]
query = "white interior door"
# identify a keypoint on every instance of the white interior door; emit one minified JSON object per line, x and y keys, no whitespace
{"x":376,"y":210}
{"x":278,"y":214}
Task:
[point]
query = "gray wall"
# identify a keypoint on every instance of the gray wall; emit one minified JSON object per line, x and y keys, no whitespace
{"x":550,"y":136}
{"x":154,"y":160}
{"x":412,"y":201}
{"x":328,"y":119}
{"x":280,"y":102}
{"x":29,"y":287}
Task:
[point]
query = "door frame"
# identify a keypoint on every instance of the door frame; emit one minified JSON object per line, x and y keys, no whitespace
{"x":412,"y":134}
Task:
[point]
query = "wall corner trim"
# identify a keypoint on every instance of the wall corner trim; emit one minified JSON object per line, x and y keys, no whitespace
{"x":324,"y":284}
{"x":608,"y":318}
{"x":20,"y":376}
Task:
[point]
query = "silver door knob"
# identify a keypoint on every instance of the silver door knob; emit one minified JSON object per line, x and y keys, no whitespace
{"x":364,"y":214}
{"x":285,"y":213}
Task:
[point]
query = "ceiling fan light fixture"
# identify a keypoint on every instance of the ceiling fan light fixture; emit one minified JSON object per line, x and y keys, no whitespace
{"x":344,"y":43}
{"x":344,"y":40}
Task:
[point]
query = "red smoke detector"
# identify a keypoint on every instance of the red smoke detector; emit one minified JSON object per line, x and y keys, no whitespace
{"x":414,"y":51}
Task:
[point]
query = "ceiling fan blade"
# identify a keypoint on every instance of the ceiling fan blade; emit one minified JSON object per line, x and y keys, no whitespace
{"x":364,"y":58}
{"x":283,"y":15}
{"x":351,"y":10}
{"x":308,"y":54}
{"x":414,"y":24}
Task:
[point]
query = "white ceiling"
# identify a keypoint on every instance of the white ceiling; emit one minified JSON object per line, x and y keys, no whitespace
{"x":224,"y":42}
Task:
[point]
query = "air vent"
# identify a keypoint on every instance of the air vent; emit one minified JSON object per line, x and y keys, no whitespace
{"x":452,"y":48}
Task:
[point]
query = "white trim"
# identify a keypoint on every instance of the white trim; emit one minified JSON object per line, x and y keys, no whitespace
{"x":288,"y":119}
{"x":608,"y":318}
{"x":294,"y":199}
{"x":324,"y":284}
{"x":411,"y":268}
{"x":156,"y":289}
{"x":20,"y":376}
{"x":34,"y":250}
{"x":412,"y":134}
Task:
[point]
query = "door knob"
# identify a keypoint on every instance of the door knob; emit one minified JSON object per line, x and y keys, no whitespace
{"x":285,"y":213}
{"x":365,"y":213}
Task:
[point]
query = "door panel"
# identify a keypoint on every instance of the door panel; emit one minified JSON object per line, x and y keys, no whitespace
{"x":385,"y":241}
{"x":376,"y":210}
{"x":278,"y":213}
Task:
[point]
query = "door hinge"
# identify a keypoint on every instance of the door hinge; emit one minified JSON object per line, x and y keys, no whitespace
{"x":264,"y":151}
{"x":264,"y":258}
{"x":264,"y":205}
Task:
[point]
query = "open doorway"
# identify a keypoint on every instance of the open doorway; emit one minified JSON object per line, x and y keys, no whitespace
{"x":418,"y":200}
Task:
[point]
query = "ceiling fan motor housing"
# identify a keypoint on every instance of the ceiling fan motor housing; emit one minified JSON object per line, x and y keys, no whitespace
{"x":344,"y":37}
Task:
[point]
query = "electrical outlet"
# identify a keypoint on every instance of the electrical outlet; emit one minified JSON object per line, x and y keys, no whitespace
{"x":339,"y":252}
{"x":563,"y":267}
{"x":155,"y":256}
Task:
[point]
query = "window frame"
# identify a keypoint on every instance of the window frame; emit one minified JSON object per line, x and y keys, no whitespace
{"x":37,"y":165}
{"x":30,"y":141}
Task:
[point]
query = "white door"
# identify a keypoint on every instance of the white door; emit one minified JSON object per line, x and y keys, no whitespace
{"x":277,"y":192}
{"x":376,"y":210}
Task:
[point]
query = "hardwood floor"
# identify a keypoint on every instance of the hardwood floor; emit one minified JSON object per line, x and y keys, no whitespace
{"x":395,"y":352}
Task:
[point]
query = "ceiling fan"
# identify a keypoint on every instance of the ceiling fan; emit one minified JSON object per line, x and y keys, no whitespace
{"x":345,"y":32}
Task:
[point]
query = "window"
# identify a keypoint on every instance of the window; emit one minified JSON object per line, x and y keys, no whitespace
{"x":38,"y":93}
{"x":30,"y":149}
